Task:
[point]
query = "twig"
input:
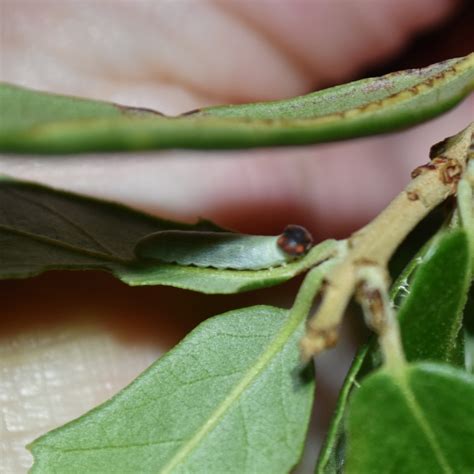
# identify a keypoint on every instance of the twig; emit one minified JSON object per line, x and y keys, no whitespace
{"x":373,"y":245}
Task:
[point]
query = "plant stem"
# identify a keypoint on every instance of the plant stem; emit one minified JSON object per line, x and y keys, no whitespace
{"x":372,"y":294}
{"x":374,"y":244}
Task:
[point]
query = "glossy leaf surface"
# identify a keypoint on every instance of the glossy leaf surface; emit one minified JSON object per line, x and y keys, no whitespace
{"x":430,"y":295}
{"x":44,"y":229}
{"x":420,"y":419}
{"x":231,"y":397}
{"x":34,"y":122}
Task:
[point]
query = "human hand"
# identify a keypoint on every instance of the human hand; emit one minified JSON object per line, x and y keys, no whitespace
{"x":175,"y":57}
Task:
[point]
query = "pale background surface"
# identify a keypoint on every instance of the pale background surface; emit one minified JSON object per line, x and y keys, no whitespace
{"x":70,"y":341}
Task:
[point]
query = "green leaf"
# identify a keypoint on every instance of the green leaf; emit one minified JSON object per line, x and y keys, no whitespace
{"x":231,"y":397}
{"x":469,"y":311}
{"x":432,"y":312}
{"x":416,"y":421}
{"x":332,"y":455}
{"x":226,"y":250}
{"x":44,"y":229}
{"x":430,"y":295}
{"x":43,"y":123}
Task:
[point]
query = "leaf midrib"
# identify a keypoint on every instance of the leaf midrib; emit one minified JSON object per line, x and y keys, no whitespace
{"x":296,"y":316}
{"x":418,"y":414}
{"x":61,"y":216}
{"x":264,"y":360}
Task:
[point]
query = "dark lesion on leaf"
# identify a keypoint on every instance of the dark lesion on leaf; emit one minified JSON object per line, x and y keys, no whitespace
{"x":138,"y":111}
{"x":190,"y":112}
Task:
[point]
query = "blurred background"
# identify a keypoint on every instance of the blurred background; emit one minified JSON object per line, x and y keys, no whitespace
{"x":69,"y":341}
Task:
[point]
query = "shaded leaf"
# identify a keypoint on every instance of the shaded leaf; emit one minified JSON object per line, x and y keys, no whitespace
{"x":430,"y":295}
{"x":231,"y":397}
{"x":420,"y":419}
{"x":332,"y":455}
{"x":469,"y":331}
{"x":469,"y":311}
{"x":43,"y":229}
{"x":42,"y":123}
{"x":469,"y":351}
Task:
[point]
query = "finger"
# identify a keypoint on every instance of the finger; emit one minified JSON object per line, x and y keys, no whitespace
{"x":172,"y":57}
{"x":174,"y":60}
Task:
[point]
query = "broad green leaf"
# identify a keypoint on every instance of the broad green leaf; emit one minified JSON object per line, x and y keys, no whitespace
{"x":231,"y":397}
{"x":43,"y":229}
{"x":431,"y":314}
{"x":420,"y":420}
{"x":430,"y":295}
{"x":34,"y":122}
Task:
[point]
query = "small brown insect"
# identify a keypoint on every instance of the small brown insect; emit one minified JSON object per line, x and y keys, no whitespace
{"x":295,"y":240}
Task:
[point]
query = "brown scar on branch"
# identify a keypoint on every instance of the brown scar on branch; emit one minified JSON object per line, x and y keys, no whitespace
{"x":375,"y":243}
{"x":413,"y":195}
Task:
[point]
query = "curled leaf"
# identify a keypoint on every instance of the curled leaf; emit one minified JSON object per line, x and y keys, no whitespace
{"x":35,"y":122}
{"x":45,"y":229}
{"x":226,"y":250}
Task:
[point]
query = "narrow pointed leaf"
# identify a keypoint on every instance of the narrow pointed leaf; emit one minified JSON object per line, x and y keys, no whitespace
{"x":35,"y":122}
{"x":231,"y":397}
{"x":44,"y":229}
{"x":430,"y":295}
{"x":418,"y":420}
{"x":332,"y":455}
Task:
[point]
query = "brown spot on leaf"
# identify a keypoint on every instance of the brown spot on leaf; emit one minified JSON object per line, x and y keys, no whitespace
{"x":190,"y":112}
{"x":138,"y":111}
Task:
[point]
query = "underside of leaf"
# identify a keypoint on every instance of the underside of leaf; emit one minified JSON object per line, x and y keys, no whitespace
{"x":43,"y":123}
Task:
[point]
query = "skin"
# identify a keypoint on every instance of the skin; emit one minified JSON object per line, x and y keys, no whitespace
{"x":69,"y":341}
